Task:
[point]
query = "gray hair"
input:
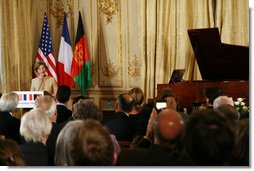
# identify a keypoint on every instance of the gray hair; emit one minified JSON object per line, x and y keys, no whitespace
{"x":46,"y":103}
{"x":35,"y":125}
{"x":222,"y":100}
{"x":9,"y":102}
{"x":64,"y":143}
{"x":87,"y":109}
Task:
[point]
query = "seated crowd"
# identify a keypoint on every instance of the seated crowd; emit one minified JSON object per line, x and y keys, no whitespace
{"x":137,"y":134}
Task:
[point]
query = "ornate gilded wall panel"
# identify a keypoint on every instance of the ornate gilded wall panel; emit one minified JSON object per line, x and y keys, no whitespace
{"x":110,"y":46}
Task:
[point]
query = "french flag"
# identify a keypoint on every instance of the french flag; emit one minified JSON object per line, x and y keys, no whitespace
{"x":65,"y":57}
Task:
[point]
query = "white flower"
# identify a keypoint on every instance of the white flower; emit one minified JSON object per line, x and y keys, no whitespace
{"x":239,"y":99}
{"x":242,"y":103}
{"x":237,"y":103}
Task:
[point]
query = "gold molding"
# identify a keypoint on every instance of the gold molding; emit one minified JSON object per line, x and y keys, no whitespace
{"x":58,"y":9}
{"x":134,"y":68}
{"x":110,"y":70}
{"x":109,"y":8}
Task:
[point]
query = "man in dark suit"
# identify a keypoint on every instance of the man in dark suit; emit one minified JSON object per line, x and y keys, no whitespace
{"x":167,"y":129}
{"x":63,"y":96}
{"x":211,"y":94}
{"x":121,"y":125}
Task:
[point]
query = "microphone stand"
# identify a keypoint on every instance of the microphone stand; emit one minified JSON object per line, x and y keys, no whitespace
{"x":41,"y":82}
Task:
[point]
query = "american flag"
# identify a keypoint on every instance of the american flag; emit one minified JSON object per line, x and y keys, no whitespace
{"x":45,"y":51}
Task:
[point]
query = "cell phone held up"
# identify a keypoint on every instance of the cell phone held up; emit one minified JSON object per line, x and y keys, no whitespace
{"x":160,"y":104}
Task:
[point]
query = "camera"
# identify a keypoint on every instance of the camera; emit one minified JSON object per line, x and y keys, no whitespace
{"x":160,"y":104}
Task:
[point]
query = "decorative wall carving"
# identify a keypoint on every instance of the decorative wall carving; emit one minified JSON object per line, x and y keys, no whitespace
{"x":134,"y":68}
{"x":110,"y":70}
{"x":58,"y":8}
{"x":108,"y":7}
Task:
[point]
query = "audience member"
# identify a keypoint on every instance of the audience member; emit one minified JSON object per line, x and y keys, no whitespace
{"x":221,"y":100}
{"x":172,"y":102}
{"x":138,"y":97}
{"x":63,"y":96}
{"x":48,"y":104}
{"x":43,"y":82}
{"x":9,"y":125}
{"x":84,"y":144}
{"x":208,"y":139}
{"x":121,"y":125}
{"x":230,"y":113}
{"x":94,"y":145}
{"x":35,"y":127}
{"x":212,"y":93}
{"x":135,"y":115}
{"x":10,"y":153}
{"x":241,"y":150}
{"x":87,"y":109}
{"x":167,"y":128}
{"x":143,"y":120}
{"x":76,"y":99}
{"x":64,"y":142}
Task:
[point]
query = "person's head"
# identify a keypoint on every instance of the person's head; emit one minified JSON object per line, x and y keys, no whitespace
{"x":48,"y":104}
{"x":93,"y":145}
{"x":64,"y":145}
{"x":208,"y":139}
{"x":230,"y":113}
{"x":167,"y":92}
{"x":76,"y":99}
{"x":125,"y":103}
{"x":40,"y":67}
{"x":241,"y":151}
{"x":168,"y":127}
{"x":9,"y":102}
{"x":221,"y":100}
{"x":169,"y":95}
{"x":212,"y":93}
{"x":10,"y":153}
{"x":63,"y":94}
{"x":87,"y":109}
{"x":35,"y":126}
{"x":138,"y":96}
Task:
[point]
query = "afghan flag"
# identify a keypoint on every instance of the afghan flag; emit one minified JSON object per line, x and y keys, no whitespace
{"x":80,"y":68}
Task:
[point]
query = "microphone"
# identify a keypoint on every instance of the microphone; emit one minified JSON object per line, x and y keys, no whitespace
{"x":43,"y":76}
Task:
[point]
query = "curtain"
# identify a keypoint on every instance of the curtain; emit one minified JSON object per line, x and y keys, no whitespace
{"x":17,"y":43}
{"x":166,"y":44}
{"x":232,"y":19}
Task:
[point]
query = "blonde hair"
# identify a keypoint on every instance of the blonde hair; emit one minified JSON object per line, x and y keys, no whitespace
{"x":46,"y":103}
{"x":138,"y":96}
{"x":35,"y":125}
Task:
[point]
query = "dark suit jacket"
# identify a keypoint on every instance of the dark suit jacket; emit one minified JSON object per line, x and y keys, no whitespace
{"x":121,"y":126}
{"x":51,"y":142}
{"x":35,"y":154}
{"x":9,"y":126}
{"x":63,"y":113}
{"x":155,"y":155}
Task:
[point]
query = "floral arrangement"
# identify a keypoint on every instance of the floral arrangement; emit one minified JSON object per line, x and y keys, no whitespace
{"x":241,"y":107}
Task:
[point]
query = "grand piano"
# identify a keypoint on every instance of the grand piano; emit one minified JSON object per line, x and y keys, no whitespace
{"x":221,"y":65}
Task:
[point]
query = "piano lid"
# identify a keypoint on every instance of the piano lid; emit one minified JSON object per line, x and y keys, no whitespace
{"x":217,"y":60}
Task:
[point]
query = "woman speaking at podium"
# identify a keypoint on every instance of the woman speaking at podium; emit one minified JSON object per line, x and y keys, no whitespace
{"x":43,"y":82}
